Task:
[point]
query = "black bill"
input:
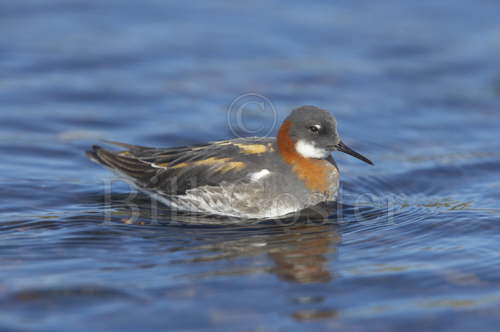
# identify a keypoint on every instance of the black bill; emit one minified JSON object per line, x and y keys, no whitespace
{"x":344,"y":148}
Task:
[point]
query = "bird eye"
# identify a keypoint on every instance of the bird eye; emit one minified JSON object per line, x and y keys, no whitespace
{"x":314,"y":129}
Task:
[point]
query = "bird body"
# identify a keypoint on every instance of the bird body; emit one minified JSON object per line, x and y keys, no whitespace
{"x":255,"y":177}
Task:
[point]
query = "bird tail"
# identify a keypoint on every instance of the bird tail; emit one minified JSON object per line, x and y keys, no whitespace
{"x":119,"y":162}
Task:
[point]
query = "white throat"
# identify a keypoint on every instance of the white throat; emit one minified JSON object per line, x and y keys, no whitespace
{"x":309,"y":150}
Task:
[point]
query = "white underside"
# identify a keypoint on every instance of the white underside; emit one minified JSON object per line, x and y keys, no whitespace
{"x":204,"y":201}
{"x":242,"y":203}
{"x":244,"y":200}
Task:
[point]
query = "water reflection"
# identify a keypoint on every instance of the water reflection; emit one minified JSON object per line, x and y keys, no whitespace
{"x":298,"y":249}
{"x":301,"y":253}
{"x":304,"y":259}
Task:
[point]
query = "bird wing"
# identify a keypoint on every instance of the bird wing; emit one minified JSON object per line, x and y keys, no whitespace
{"x":175,"y":170}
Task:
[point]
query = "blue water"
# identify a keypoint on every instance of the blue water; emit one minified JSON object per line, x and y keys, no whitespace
{"x":415,"y":86}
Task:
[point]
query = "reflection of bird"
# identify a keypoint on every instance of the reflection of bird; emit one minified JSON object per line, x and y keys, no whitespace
{"x":299,"y":253}
{"x":246,"y":177}
{"x":304,"y":259}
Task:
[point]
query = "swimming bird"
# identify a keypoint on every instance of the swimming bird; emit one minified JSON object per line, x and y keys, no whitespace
{"x":255,"y":177}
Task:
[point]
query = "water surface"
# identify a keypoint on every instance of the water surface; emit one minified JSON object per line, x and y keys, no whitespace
{"x":414,"y":86}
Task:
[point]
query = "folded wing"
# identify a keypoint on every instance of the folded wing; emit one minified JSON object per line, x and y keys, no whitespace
{"x":175,"y":170}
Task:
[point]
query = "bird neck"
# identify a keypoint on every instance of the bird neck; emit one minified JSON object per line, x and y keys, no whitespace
{"x":314,"y":172}
{"x":285,"y":144}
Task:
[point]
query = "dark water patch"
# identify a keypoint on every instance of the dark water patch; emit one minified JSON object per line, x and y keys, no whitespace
{"x":41,"y":8}
{"x":101,"y":96}
{"x":22,"y":148}
{"x":87,"y":63}
{"x":41,"y":303}
{"x":30,"y":125}
{"x":436,"y":71}
{"x":28,"y":225}
{"x":406,"y":52}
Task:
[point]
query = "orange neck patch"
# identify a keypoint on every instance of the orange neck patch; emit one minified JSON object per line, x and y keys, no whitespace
{"x":314,"y":172}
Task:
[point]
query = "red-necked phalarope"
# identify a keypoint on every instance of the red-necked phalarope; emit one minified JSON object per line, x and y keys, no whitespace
{"x":252,"y":177}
